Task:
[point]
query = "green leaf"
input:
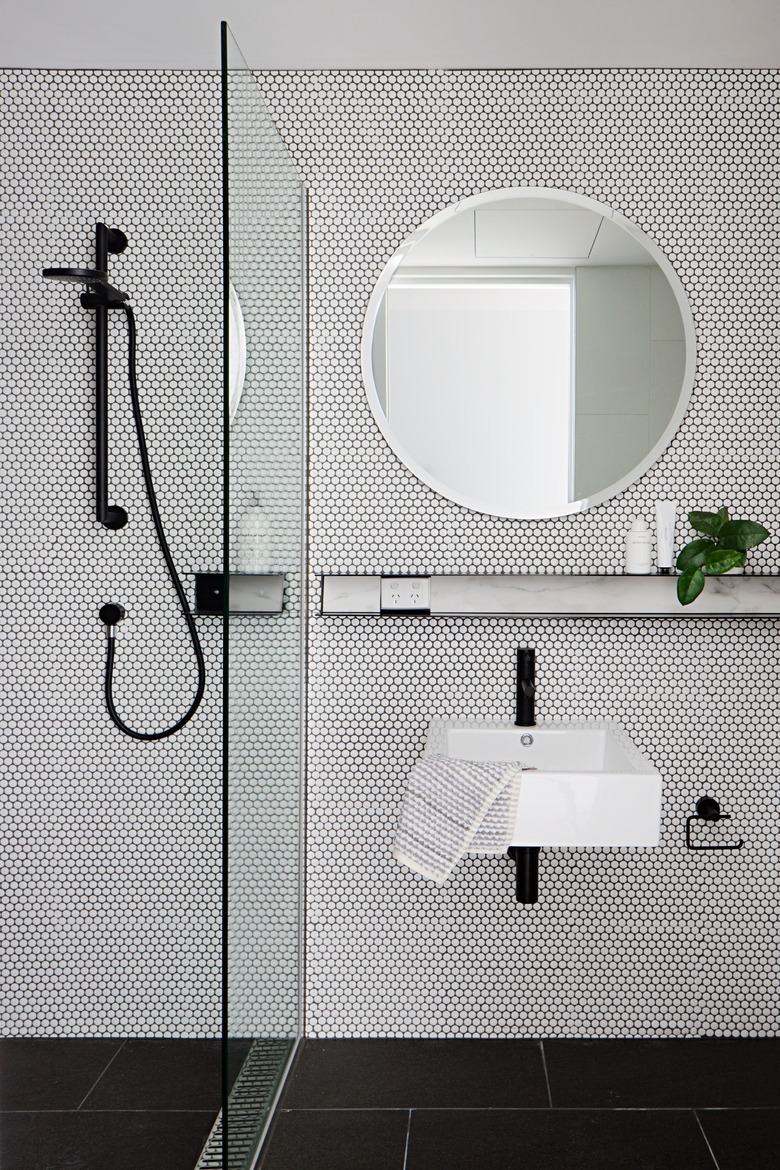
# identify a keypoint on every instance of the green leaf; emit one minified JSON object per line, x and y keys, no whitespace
{"x":723,"y":513}
{"x":721,"y":560}
{"x":695,"y":554}
{"x":707,"y":522}
{"x":742,"y":534}
{"x":689,"y":585}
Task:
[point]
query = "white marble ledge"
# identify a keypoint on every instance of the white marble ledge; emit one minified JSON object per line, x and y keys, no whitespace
{"x":556,"y":595}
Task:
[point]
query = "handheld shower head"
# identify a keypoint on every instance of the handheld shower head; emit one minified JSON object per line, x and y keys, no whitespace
{"x":100,"y":292}
{"x":76,"y":275}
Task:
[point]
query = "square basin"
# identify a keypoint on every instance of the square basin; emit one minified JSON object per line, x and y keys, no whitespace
{"x":592,"y":786}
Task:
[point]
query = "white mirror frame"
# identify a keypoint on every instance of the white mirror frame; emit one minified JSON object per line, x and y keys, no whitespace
{"x":482,"y":200}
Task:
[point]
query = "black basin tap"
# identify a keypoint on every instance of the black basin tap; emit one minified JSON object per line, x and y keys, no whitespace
{"x":525,"y":715}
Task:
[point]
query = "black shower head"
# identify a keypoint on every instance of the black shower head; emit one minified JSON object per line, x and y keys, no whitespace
{"x":77,"y":275}
{"x":104,"y":293}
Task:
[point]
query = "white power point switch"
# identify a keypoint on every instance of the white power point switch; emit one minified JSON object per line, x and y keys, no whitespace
{"x":405,"y":594}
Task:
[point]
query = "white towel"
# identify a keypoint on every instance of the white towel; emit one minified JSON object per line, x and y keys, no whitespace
{"x":453,"y":807}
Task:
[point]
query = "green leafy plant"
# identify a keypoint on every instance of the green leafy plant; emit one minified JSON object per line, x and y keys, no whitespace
{"x":722,"y":546}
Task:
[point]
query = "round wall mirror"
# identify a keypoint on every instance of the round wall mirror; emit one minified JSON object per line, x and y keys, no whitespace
{"x":528,"y":352}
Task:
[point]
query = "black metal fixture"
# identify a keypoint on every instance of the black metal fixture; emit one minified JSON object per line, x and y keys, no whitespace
{"x":708,"y":809}
{"x":526,"y":859}
{"x":525,"y":714}
{"x":111,"y":615}
{"x":248,"y":593}
{"x":100,"y":297}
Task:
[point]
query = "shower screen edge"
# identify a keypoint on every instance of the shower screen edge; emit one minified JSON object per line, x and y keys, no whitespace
{"x":265,"y":215}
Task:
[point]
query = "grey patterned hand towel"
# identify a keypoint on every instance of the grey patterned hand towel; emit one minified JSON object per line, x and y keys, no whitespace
{"x":454,"y":807}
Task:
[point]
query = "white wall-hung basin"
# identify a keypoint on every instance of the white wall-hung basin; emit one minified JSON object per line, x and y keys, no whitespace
{"x":592,"y":785}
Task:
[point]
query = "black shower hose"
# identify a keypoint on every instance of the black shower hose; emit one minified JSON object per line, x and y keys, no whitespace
{"x":166,"y":552}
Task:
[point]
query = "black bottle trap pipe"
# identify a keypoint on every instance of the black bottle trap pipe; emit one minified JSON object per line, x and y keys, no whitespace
{"x":526,"y":859}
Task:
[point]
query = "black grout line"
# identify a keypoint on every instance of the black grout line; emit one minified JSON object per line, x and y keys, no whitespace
{"x":707,"y":1140}
{"x":211,"y":1112}
{"x":406,"y":1147}
{"x":105,"y":1070}
{"x":546,"y":1077}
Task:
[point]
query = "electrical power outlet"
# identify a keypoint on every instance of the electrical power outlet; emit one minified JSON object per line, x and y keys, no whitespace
{"x":407,"y":594}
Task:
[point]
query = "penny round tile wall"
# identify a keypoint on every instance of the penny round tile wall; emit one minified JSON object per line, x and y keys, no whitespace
{"x":111,"y":847}
{"x":663,"y":942}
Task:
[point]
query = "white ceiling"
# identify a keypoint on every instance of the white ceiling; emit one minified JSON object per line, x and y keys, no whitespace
{"x":353,"y":34}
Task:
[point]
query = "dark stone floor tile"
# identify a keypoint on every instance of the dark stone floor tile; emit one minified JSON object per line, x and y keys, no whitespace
{"x":663,"y":1073}
{"x":416,"y":1074}
{"x":162,"y":1074}
{"x":743,"y":1138}
{"x":371,"y":1139}
{"x":102,"y":1141}
{"x":553,"y":1140}
{"x":51,"y":1074}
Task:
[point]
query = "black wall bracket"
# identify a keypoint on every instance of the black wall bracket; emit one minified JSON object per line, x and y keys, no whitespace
{"x":708,"y":809}
{"x":248,"y":593}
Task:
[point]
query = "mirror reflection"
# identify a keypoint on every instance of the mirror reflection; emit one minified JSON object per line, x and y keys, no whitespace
{"x":236,"y":352}
{"x":528,"y":353}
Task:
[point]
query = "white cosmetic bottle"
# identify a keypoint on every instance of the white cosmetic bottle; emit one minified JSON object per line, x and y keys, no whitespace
{"x":639,"y":547}
{"x":255,"y":542}
{"x":665,"y":516}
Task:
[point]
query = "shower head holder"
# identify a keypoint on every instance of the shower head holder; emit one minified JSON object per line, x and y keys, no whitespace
{"x":103,"y":296}
{"x":99,"y":295}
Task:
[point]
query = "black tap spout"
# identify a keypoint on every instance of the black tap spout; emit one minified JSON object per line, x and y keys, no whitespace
{"x":525,"y":715}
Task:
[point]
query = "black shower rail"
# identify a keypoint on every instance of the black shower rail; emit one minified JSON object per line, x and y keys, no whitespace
{"x":102,"y":297}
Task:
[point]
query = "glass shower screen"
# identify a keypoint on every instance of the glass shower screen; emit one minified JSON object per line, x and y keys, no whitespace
{"x":265,"y":310}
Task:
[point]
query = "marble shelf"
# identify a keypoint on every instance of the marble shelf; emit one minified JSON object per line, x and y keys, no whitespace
{"x":549,"y":595}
